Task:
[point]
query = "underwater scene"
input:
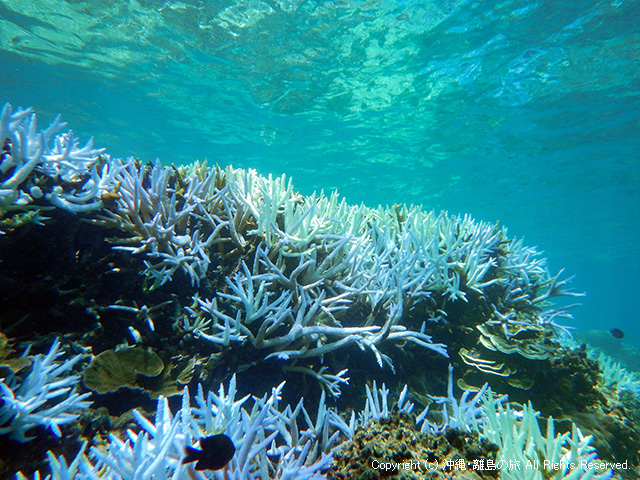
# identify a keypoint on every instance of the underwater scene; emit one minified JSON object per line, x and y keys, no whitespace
{"x":295,"y":239}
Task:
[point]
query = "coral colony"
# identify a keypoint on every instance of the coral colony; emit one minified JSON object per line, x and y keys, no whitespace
{"x":304,"y":278}
{"x":45,"y":397}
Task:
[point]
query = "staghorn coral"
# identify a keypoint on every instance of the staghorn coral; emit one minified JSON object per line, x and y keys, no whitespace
{"x":269,"y":442}
{"x":37,"y":165}
{"x":615,"y":376}
{"x":44,"y":397}
{"x":525,"y":449}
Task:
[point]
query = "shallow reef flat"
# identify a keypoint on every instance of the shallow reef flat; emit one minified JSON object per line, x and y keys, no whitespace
{"x":145,"y":307}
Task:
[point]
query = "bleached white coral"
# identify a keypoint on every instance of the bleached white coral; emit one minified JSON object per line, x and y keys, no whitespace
{"x":173,"y":229}
{"x":270,"y":442}
{"x":464,"y":414}
{"x":30,"y":155}
{"x":525,"y":453}
{"x":293,"y":330}
{"x":523,"y":449}
{"x":285,"y":443}
{"x":44,"y":397}
{"x":615,"y":376}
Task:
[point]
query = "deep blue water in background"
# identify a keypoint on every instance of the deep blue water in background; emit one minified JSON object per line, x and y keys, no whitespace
{"x":526,"y":113}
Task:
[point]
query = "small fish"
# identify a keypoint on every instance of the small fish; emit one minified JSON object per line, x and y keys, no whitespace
{"x":616,"y":332}
{"x":215,"y":452}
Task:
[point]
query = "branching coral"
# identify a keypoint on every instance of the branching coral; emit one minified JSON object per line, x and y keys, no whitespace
{"x":270,"y":442}
{"x":615,"y":376}
{"x":527,"y":453}
{"x":44,"y":397}
{"x":40,"y":164}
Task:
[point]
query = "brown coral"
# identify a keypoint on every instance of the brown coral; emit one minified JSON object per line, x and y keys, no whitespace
{"x":395,"y":449}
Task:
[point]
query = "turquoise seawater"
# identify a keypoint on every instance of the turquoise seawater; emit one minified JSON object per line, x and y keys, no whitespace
{"x":523,"y":113}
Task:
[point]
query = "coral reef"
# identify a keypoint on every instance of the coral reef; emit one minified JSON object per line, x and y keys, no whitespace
{"x":112,"y":370}
{"x":200,"y":273}
{"x":306,"y":276}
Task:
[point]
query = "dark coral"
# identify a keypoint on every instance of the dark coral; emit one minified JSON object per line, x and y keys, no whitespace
{"x":396,"y":440}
